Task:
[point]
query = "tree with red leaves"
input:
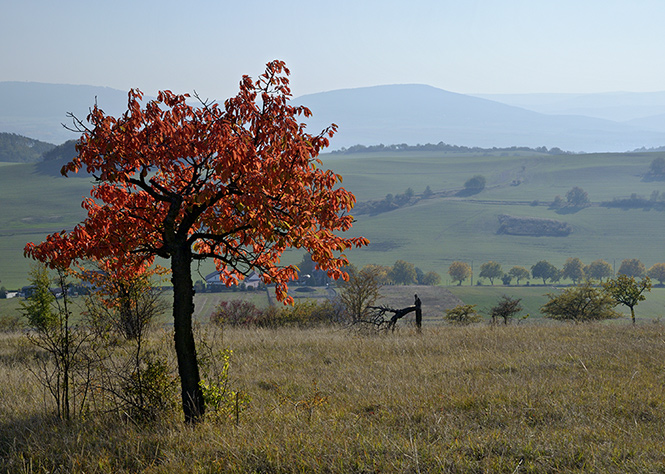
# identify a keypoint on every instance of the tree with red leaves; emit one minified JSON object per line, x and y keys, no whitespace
{"x":238,"y":184}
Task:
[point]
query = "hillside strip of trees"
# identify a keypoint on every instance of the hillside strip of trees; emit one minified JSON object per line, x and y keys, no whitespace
{"x":445,"y":147}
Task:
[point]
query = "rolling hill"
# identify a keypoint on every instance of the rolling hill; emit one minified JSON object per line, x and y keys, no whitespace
{"x":429,"y":232}
{"x":19,"y":149}
{"x":414,"y":114}
{"x":435,"y":231}
{"x":616,"y":106}
{"x":390,"y":114}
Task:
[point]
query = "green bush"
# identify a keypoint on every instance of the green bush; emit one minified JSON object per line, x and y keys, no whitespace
{"x":580,"y":304}
{"x":221,"y":401}
{"x":150,"y":390}
{"x":305,"y":314}
{"x":476,"y":183}
{"x":462,"y":315}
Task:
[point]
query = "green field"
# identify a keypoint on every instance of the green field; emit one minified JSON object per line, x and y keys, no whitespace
{"x":431,"y":233}
{"x":33,"y":205}
{"x":437,"y":231}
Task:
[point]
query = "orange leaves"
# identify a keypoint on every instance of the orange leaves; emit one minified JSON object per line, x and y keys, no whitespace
{"x":238,"y":183}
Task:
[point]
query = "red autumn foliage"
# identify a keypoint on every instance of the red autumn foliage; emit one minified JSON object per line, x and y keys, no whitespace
{"x":238,"y":183}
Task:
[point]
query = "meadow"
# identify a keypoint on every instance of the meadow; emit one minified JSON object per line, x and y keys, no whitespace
{"x":550,"y":398}
{"x":432,"y":233}
{"x":437,"y":231}
{"x":34,"y":204}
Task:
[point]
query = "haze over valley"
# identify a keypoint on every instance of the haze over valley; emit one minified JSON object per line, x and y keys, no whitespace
{"x":395,"y":114}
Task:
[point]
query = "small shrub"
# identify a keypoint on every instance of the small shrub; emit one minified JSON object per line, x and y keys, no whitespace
{"x":236,"y":313}
{"x":150,"y":390}
{"x":302,"y":314}
{"x":221,"y":402}
{"x":462,"y":315}
{"x":306,"y":313}
{"x":577,"y":197}
{"x":475,"y":184}
{"x":505,"y":309}
{"x":580,"y":304}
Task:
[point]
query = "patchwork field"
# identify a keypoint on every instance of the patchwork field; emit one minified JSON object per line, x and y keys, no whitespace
{"x":431,"y":233}
{"x":436,"y":231}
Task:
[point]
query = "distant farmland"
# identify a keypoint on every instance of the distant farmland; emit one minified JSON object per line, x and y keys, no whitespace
{"x":434,"y":232}
{"x":431,"y":233}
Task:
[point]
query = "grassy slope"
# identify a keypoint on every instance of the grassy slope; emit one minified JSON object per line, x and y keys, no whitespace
{"x":435,"y":232}
{"x":539,"y":399}
{"x":33,"y":205}
{"x":432,"y":233}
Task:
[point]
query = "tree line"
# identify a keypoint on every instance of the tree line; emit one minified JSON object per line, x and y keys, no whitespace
{"x":573,"y":269}
{"x":402,"y":273}
{"x":445,"y":147}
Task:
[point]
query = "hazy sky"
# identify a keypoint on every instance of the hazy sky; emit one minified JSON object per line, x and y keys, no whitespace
{"x":467,"y":46}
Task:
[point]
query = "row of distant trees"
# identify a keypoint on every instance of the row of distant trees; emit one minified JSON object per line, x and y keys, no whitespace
{"x":574,"y":270}
{"x":403,"y":273}
{"x":400,"y":273}
{"x":579,"y":198}
{"x":390,"y":202}
{"x":445,"y":147}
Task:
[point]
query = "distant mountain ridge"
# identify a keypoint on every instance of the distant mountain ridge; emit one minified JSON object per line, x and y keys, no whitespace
{"x":616,"y":106}
{"x":409,"y":114}
{"x":414,"y":113}
{"x":39,"y":110}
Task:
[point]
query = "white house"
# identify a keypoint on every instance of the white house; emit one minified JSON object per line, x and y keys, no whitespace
{"x":251,"y":281}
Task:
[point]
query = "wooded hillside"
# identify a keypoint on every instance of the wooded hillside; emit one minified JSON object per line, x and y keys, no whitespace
{"x":19,"y":149}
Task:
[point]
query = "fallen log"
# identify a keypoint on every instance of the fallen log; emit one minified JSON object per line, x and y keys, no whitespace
{"x":380,"y":313}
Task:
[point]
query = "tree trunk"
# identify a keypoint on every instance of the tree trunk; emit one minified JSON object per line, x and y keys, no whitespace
{"x":632,"y":313}
{"x":183,"y":308}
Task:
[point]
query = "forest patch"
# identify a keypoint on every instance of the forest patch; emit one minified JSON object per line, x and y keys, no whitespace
{"x":533,"y":226}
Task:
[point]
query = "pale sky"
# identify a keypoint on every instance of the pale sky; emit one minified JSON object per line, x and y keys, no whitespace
{"x":466,"y":46}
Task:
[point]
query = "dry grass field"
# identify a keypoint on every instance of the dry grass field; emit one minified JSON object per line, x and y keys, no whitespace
{"x":547,"y":398}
